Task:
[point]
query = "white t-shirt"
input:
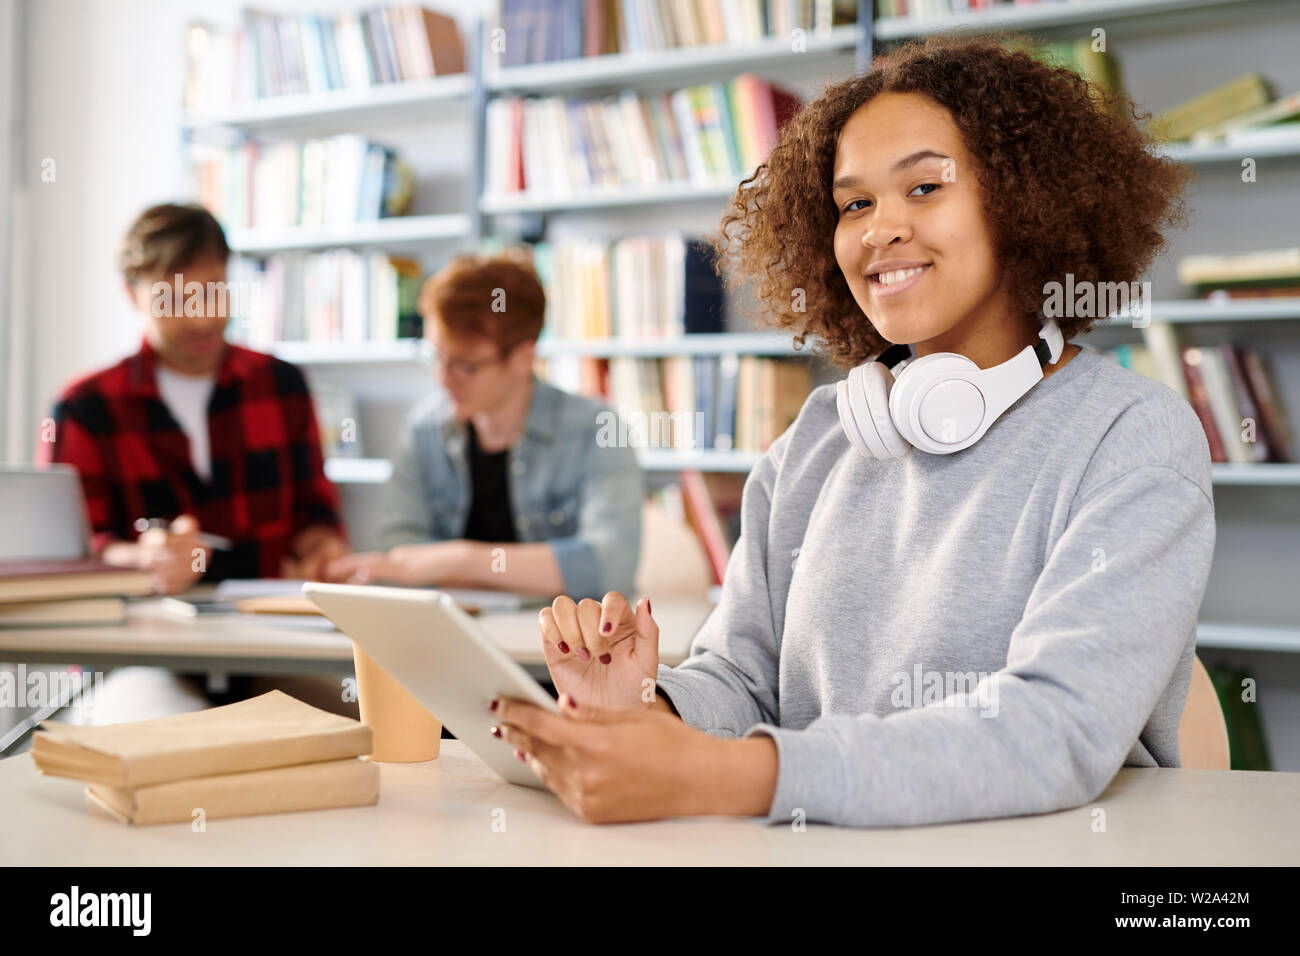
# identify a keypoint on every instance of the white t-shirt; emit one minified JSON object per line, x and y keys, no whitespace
{"x":187,"y":398}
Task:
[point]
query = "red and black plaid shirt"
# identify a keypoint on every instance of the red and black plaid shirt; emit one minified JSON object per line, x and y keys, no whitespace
{"x":267,"y":477}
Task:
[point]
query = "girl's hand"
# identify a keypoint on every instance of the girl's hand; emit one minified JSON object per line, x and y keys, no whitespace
{"x":603,"y":654}
{"x":616,"y":766}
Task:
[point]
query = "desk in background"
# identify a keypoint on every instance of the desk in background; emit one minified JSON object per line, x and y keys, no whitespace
{"x":248,"y":644}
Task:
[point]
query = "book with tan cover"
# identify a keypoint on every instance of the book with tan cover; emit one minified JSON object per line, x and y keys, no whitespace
{"x":313,"y":786}
{"x":273,"y":730}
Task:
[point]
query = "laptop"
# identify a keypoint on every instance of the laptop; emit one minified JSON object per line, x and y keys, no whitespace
{"x":42,"y":514}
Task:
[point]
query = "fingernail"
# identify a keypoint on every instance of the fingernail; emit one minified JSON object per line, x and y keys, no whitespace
{"x":496,"y":731}
{"x":607,"y":627}
{"x":573,"y":703}
{"x":564,"y":648}
{"x":493,"y":705}
{"x":649,"y":609}
{"x":520,"y":756}
{"x":584,"y":654}
{"x":605,"y":658}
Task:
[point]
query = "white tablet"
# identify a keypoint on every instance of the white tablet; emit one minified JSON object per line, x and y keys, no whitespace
{"x":442,"y":656}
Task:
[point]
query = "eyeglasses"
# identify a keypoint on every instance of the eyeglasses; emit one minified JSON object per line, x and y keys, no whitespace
{"x":462,"y":368}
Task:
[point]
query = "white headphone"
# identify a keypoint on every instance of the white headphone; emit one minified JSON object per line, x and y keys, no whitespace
{"x":939,"y":403}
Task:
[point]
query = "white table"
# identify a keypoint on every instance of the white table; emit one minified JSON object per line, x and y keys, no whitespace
{"x":442,"y":813}
{"x":249,"y":644}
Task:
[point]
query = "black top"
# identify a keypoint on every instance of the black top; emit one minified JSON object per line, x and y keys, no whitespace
{"x":490,"y":518}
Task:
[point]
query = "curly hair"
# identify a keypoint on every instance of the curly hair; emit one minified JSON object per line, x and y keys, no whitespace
{"x":1068,"y":180}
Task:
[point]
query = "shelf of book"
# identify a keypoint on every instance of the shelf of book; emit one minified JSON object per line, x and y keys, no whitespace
{"x":398,"y":232}
{"x":1041,"y":16}
{"x":1215,"y":310}
{"x":1261,"y":143}
{"x":703,"y":459}
{"x":412,"y":98}
{"x":1262,"y":473}
{"x":739,"y":343}
{"x":352,"y":353}
{"x":624,"y":69}
{"x":1247,"y":637}
{"x":378,"y":470}
{"x":512,"y":203}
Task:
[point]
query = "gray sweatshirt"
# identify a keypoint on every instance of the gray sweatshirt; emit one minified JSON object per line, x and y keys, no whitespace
{"x":989,"y":633}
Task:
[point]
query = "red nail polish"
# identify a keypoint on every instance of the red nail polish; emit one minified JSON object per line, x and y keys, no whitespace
{"x":520,"y":756}
{"x":564,"y":648}
{"x":607,"y":627}
{"x":605,"y":658}
{"x":573,"y":703}
{"x":648,"y":608}
{"x":493,"y":705}
{"x":496,"y":731}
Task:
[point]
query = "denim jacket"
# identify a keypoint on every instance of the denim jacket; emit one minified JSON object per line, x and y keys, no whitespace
{"x":565,"y":489}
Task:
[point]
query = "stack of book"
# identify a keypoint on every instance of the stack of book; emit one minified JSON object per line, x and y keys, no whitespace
{"x":1229,"y":387}
{"x":320,"y":182}
{"x":279,"y":54}
{"x":715,"y":133}
{"x":1268,"y":274}
{"x":270,"y":754}
{"x":541,"y":31}
{"x":335,"y":296}
{"x":64,"y":593}
{"x":637,"y":288}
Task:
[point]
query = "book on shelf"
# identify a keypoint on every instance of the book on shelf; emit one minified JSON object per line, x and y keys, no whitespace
{"x":1281,"y":115}
{"x":701,"y":135}
{"x":544,"y":31}
{"x":1234,"y":98}
{"x":270,"y":54}
{"x":645,"y":287}
{"x":338,"y":181}
{"x":692,"y":402}
{"x":921,"y":10}
{"x":1247,"y":746}
{"x":1265,"y":273}
{"x":335,"y":296}
{"x":1230,"y":390}
{"x":337,"y":418}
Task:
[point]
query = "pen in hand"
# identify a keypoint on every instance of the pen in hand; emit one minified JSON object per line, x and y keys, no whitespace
{"x":214,"y":541}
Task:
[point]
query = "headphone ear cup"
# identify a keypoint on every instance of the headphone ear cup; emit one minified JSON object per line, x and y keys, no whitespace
{"x":867,"y":392}
{"x":847,"y":421}
{"x":922,"y":372}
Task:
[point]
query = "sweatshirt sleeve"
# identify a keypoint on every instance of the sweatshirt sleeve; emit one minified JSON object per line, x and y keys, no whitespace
{"x":1106,"y":625}
{"x":729,"y":683}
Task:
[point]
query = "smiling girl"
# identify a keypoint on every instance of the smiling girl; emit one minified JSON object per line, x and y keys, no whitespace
{"x":941,"y":617}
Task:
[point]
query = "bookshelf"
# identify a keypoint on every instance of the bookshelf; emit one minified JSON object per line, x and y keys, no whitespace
{"x":409,"y":100}
{"x":701,"y":63}
{"x":1247,"y":612}
{"x":399,"y":233}
{"x":1049,"y":17}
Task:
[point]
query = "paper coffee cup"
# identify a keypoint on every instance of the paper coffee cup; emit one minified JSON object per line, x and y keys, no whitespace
{"x":402,"y":731}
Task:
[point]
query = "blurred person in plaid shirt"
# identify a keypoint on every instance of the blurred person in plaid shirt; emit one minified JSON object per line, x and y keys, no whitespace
{"x":191,"y":440}
{"x":209,"y":437}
